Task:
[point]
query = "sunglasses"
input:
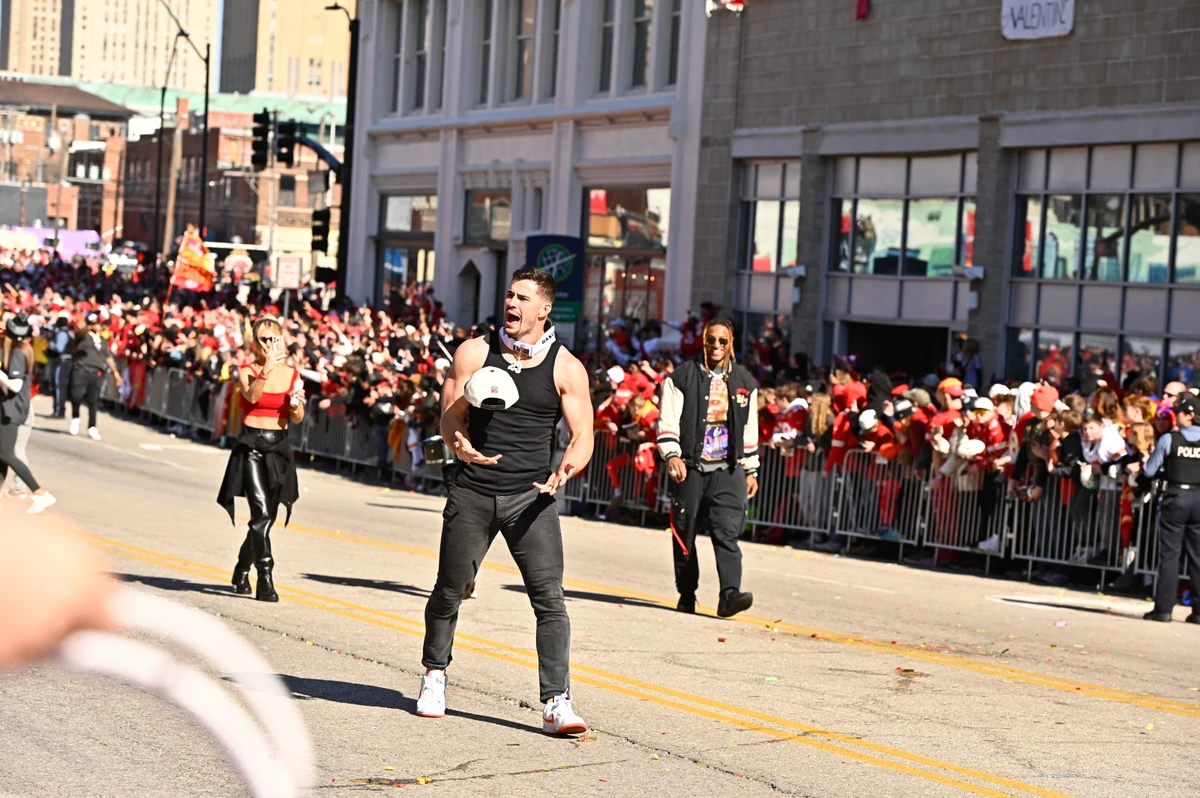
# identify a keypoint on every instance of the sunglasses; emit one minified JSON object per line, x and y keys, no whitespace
{"x":717,"y":341}
{"x":269,"y":340}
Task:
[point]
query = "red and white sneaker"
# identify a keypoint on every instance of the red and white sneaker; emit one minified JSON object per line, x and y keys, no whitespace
{"x":431,"y":703}
{"x":560,"y":718}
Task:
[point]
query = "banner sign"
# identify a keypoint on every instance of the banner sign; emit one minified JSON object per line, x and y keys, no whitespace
{"x":562,"y":256}
{"x":1037,"y":19}
{"x":194,"y":265}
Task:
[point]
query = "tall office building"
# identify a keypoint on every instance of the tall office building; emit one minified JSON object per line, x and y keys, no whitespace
{"x":108,"y":41}
{"x":297,"y":49}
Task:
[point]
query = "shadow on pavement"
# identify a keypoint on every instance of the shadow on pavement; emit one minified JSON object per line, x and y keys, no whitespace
{"x":374,"y":584}
{"x":180,"y":585}
{"x":1133,"y":613}
{"x":369,"y":695}
{"x":604,"y":598}
{"x":404,"y":507}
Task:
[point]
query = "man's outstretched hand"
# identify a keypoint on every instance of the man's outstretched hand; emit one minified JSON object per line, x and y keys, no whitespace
{"x":468,"y":454}
{"x":557,"y":479}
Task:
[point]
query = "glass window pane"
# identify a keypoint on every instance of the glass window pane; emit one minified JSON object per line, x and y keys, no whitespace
{"x":1187,"y":241}
{"x":1019,"y":356}
{"x":884,"y":176}
{"x":749,"y":170}
{"x":1149,"y":238}
{"x":932,"y":226}
{"x":1105,"y":237}
{"x":1154,"y":166}
{"x":1097,"y":355}
{"x":629,"y":217}
{"x":1183,"y":363}
{"x":770,"y":180}
{"x":791,"y":180}
{"x":1111,"y":167}
{"x":967,"y":255}
{"x":879,"y":225}
{"x":791,"y":235}
{"x":1060,"y":252}
{"x":939,"y":174}
{"x":1141,"y":355}
{"x":970,"y":172}
{"x":764,"y":246}
{"x":1054,"y":356}
{"x":1033,"y":170}
{"x":409,"y":214}
{"x":843,"y":177}
{"x":1029,"y":236}
{"x":1068,"y":168}
{"x":843,"y":220}
{"x":489,"y":216}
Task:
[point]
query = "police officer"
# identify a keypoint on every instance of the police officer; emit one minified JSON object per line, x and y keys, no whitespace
{"x":708,"y":436}
{"x":1177,"y":457}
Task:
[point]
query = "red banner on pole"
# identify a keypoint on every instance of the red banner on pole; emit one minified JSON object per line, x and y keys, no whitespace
{"x":193,"y":267}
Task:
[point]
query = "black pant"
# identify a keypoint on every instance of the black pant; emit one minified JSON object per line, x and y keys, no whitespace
{"x":264,"y":506}
{"x":529,"y":524}
{"x":714,"y":501}
{"x":85,"y":386}
{"x":61,"y":372}
{"x":1178,"y":525}
{"x":8,"y":456}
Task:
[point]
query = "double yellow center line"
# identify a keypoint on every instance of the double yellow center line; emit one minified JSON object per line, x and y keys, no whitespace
{"x":842,"y":745}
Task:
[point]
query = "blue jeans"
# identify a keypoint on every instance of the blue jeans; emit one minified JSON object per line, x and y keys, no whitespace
{"x":529,"y":523}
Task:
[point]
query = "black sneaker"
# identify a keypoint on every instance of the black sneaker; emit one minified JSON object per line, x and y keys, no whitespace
{"x":1194,"y":617}
{"x":734,"y":602}
{"x":686,"y":604}
{"x":1161,"y":617}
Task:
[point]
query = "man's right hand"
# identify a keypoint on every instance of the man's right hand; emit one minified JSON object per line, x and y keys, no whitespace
{"x":676,"y":469}
{"x":468,"y":454}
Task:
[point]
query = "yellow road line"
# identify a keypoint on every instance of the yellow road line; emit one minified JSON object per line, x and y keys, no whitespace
{"x":633,"y":688}
{"x":1144,"y":700}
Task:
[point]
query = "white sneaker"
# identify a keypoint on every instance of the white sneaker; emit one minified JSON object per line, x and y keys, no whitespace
{"x":40,"y":503}
{"x":74,"y":428}
{"x":560,"y":718}
{"x":431,"y":703}
{"x":991,"y":545}
{"x":93,"y":433}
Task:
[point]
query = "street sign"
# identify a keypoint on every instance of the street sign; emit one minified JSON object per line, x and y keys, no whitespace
{"x":287,"y":272}
{"x":562,"y":256}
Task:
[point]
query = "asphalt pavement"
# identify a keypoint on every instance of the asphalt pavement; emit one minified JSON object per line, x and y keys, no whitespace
{"x":848,"y":678}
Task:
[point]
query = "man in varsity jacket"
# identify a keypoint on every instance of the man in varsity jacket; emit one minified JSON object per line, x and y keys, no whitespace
{"x":708,"y":437}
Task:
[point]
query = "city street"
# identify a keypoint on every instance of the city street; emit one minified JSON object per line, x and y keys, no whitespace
{"x":847,"y":679}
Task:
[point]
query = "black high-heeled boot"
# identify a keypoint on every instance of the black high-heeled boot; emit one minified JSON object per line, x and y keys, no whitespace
{"x":265,"y":591}
{"x":241,"y":571}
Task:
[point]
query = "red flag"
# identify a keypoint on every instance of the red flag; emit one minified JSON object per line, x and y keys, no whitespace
{"x":193,"y":266}
{"x":864,"y":9}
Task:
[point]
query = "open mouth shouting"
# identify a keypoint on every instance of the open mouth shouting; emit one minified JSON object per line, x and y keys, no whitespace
{"x":512,"y":319}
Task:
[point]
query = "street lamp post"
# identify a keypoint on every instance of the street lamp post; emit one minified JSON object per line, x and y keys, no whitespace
{"x":207,"y":59}
{"x":345,"y":176}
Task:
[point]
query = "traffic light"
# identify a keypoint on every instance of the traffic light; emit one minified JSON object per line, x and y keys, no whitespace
{"x":261,"y":140}
{"x":320,"y":230}
{"x":285,"y":143}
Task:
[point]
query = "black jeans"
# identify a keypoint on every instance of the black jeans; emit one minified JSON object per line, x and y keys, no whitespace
{"x":1178,"y":526}
{"x":61,"y":369}
{"x":85,"y":386}
{"x":529,"y":523}
{"x":8,"y":456}
{"x":264,"y":507}
{"x":716,"y":501}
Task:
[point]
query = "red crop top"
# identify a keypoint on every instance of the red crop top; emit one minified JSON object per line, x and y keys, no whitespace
{"x":273,"y":405}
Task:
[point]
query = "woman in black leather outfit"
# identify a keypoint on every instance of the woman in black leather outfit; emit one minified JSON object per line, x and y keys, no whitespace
{"x":261,"y":467}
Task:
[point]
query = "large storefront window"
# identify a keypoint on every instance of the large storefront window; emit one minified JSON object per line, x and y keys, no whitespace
{"x":1108,"y":214}
{"x":626,"y":232}
{"x":405,"y":246}
{"x":911,"y":216}
{"x":489,"y":217}
{"x":769,"y":245}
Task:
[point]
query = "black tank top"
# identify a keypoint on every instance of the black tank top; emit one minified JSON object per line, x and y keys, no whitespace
{"x":524,"y":433}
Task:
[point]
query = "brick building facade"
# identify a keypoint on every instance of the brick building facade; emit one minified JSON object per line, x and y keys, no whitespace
{"x":918,"y":172}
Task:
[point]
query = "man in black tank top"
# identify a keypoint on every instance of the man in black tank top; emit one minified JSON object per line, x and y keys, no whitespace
{"x":505,"y":484}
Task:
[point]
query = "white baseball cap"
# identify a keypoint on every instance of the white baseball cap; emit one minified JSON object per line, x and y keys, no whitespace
{"x":616,"y":374}
{"x":491,"y":388}
{"x":868,"y":420}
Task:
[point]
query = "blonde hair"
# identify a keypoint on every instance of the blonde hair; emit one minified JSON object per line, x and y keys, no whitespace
{"x":269,"y":323}
{"x":820,"y":410}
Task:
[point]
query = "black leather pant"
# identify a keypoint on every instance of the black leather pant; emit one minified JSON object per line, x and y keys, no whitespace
{"x":264,"y":505}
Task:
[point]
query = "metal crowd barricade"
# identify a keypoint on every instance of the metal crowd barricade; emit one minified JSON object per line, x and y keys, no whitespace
{"x":966,"y":510}
{"x":360,"y":445}
{"x":615,"y":455}
{"x":1072,"y":526}
{"x":795,"y":494}
{"x":881,"y":500}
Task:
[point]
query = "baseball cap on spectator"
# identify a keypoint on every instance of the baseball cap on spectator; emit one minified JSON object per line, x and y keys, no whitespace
{"x":1044,"y":398}
{"x":92,"y":318}
{"x":999,"y":389}
{"x":982,"y":405}
{"x":1186,"y":403}
{"x":951,"y":386}
{"x":616,"y":374}
{"x":868,"y":420}
{"x":900,"y":389}
{"x":491,"y":388}
{"x":902,"y":408}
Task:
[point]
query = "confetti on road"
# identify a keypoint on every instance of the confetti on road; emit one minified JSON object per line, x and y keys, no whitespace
{"x":423,"y":780}
{"x":722,"y":640}
{"x":388,"y":767}
{"x":772,"y":678}
{"x":1060,"y":623}
{"x":1149,"y":727}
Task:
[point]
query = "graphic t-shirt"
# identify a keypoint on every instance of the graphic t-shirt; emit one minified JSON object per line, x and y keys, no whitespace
{"x":716,"y":430}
